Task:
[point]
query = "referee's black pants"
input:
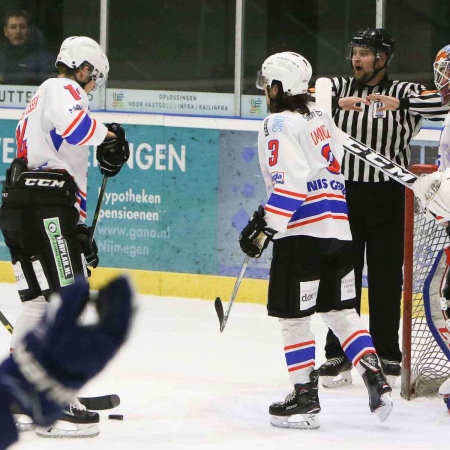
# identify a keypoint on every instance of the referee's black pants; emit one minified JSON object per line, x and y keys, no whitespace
{"x":376,"y":215}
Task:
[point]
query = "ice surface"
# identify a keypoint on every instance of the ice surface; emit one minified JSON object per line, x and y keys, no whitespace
{"x":184,"y":385}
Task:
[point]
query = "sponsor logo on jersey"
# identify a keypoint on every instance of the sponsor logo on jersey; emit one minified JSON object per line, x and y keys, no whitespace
{"x":277,"y":177}
{"x":75,"y":108}
{"x":324,"y":183}
{"x":312,"y":114}
{"x":315,"y":185}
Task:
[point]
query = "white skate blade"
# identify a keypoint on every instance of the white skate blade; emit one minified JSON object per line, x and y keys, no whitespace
{"x":299,"y":421}
{"x":383,"y":411}
{"x":343,"y":379}
{"x":68,"y":430}
{"x":24,"y":423}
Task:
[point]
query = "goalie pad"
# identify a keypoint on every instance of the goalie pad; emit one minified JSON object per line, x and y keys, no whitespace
{"x":435,"y":304}
{"x":433,"y":193}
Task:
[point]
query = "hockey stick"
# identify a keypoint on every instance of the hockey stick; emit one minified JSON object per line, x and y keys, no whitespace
{"x":6,"y":322}
{"x":98,"y":208}
{"x":98,"y":403}
{"x":223,"y":318}
{"x":360,"y":150}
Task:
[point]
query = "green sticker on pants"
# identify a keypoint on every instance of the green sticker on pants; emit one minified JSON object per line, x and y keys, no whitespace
{"x":60,"y":251}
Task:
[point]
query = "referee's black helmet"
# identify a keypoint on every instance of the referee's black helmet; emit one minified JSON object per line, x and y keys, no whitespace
{"x":378,"y":39}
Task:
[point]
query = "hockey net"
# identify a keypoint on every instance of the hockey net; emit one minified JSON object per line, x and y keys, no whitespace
{"x":424,"y":365}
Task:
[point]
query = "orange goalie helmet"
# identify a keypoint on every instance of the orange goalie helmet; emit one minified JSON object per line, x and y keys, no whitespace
{"x":442,"y":73}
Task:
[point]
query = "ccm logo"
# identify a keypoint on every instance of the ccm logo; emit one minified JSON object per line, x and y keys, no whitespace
{"x":43,"y":183}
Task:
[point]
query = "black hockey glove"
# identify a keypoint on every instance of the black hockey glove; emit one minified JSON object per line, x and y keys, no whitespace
{"x":112,"y":154}
{"x":90,"y":250}
{"x":255,"y":237}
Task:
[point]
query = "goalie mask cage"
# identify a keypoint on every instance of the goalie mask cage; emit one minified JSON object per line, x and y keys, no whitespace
{"x":424,"y":366}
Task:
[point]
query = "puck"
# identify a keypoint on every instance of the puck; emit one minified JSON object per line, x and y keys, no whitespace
{"x":115,"y":417}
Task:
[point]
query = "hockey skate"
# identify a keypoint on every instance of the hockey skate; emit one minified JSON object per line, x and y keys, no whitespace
{"x":75,"y":422}
{"x":391,"y":370}
{"x":444,"y":393}
{"x":380,"y":401}
{"x":24,"y":423}
{"x":300,"y":408}
{"x":336,"y":372}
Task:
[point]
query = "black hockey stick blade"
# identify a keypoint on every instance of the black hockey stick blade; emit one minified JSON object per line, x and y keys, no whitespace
{"x":101,"y":402}
{"x":219,"y":310}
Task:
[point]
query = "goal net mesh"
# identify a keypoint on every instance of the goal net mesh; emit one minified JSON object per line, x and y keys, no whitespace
{"x":425,"y":366}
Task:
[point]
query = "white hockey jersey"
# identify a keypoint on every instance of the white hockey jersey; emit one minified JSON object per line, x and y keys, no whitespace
{"x":300,"y":157}
{"x":444,"y":146}
{"x":56,"y":130}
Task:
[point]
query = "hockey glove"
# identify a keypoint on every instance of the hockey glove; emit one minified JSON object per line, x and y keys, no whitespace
{"x":433,"y":192}
{"x":255,"y":237}
{"x":113,"y":153}
{"x":90,"y":250}
{"x":52,"y":362}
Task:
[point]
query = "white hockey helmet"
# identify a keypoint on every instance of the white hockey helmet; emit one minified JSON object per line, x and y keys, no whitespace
{"x":291,"y":69}
{"x":76,"y":50}
{"x":442,"y":73}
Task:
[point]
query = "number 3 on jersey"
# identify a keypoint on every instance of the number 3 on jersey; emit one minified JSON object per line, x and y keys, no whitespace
{"x":333,"y":163}
{"x":273,"y":148}
{"x":22,"y":150}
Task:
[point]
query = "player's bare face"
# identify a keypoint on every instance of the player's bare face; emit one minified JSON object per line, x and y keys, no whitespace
{"x":84,"y":78}
{"x":17,"y":30}
{"x":363,"y":63}
{"x":271,"y":93}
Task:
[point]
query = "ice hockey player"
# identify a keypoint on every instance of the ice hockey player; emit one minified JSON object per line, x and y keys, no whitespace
{"x":43,"y":211}
{"x":306,"y":217}
{"x":433,"y":189}
{"x":55,"y":359}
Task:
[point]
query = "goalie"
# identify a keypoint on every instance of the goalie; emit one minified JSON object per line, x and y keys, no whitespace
{"x":433,"y":193}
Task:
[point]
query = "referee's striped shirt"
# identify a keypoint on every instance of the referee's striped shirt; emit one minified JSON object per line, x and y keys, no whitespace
{"x":389,"y":135}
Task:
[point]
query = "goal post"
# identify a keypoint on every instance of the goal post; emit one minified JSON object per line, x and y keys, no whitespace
{"x":425,"y":364}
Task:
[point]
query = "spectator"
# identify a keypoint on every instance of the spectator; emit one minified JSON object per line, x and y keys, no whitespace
{"x":385,"y":114}
{"x":23,"y":60}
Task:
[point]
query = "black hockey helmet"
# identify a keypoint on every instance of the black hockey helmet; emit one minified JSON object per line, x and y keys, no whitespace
{"x":378,"y":39}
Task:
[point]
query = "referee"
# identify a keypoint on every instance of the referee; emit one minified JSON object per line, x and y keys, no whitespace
{"x":384,"y":114}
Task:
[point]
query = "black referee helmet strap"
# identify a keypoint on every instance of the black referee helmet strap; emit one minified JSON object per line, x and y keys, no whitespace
{"x":376,"y":38}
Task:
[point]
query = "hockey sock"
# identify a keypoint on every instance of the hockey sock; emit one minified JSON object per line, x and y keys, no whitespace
{"x":32,"y":313}
{"x":299,"y":348}
{"x":355,"y":340}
